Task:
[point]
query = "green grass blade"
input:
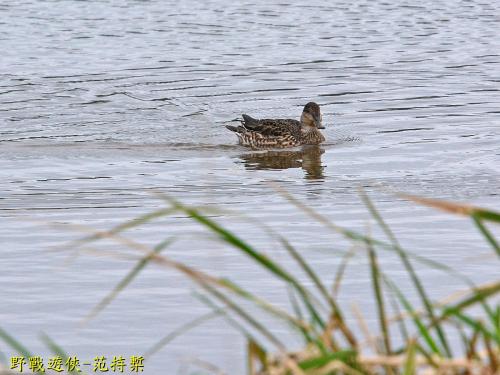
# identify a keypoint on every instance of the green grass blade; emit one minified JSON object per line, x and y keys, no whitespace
{"x":128,"y":279}
{"x":336,"y":311}
{"x":478,"y":295}
{"x":475,"y":324}
{"x":486,"y":233}
{"x":488,"y":215}
{"x":410,"y":366}
{"x":339,"y":274}
{"x":298,"y":314}
{"x":56,"y":349}
{"x":468,"y":343}
{"x":260,"y":258}
{"x":236,"y":325}
{"x":422,"y":329}
{"x":496,"y":321}
{"x":160,"y":344}
{"x":307,"y":270}
{"x":346,"y":356}
{"x":140,"y":220}
{"x":377,"y":289}
{"x":428,"y":356}
{"x":299,"y":324}
{"x":409,"y":268}
{"x":206,"y":283}
{"x":245,"y":316}
{"x":360,"y":238}
{"x":14,"y":344}
{"x":403,"y":330}
{"x":492,"y":318}
{"x":237,"y":242}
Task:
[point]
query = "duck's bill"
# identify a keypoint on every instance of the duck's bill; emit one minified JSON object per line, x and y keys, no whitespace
{"x":321,"y":127}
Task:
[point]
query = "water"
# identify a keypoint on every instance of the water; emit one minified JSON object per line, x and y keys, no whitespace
{"x":104,"y":104}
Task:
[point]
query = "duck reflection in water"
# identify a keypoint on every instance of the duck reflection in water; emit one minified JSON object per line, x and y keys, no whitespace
{"x":308,"y":158}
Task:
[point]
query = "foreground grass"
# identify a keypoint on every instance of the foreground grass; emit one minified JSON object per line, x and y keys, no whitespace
{"x":330,"y":342}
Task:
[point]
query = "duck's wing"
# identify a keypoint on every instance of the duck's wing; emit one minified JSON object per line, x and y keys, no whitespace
{"x":272,"y":127}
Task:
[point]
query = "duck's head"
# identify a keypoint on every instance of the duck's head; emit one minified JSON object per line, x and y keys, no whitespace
{"x":311,"y":116}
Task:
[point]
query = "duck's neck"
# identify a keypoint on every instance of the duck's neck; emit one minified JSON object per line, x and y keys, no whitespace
{"x":306,"y":120}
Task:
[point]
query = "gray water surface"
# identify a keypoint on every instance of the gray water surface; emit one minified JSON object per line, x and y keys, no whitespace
{"x":103,"y":104}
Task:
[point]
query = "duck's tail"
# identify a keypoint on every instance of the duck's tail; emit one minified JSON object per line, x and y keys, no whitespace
{"x":236,"y":129}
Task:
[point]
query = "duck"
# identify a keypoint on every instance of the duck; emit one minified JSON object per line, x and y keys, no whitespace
{"x":281,"y":133}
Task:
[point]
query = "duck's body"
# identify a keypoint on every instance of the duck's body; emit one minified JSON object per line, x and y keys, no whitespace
{"x":281,"y":133}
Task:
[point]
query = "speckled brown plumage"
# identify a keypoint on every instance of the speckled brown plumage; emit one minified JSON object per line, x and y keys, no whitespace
{"x":281,"y":133}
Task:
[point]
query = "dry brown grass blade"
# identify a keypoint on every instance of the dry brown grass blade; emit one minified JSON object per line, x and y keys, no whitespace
{"x":291,"y":365}
{"x":373,"y":363}
{"x":327,"y":335}
{"x":370,"y":339}
{"x":454,"y":208}
{"x":450,"y":207}
{"x":493,"y":355}
{"x":471,"y":349}
{"x":398,"y":361}
{"x":454,"y":297}
{"x":199,"y":277}
{"x":341,"y":270}
{"x":205,"y":365}
{"x":336,"y":367}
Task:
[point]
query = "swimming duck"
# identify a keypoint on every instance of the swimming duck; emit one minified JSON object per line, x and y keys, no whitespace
{"x":281,"y":133}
